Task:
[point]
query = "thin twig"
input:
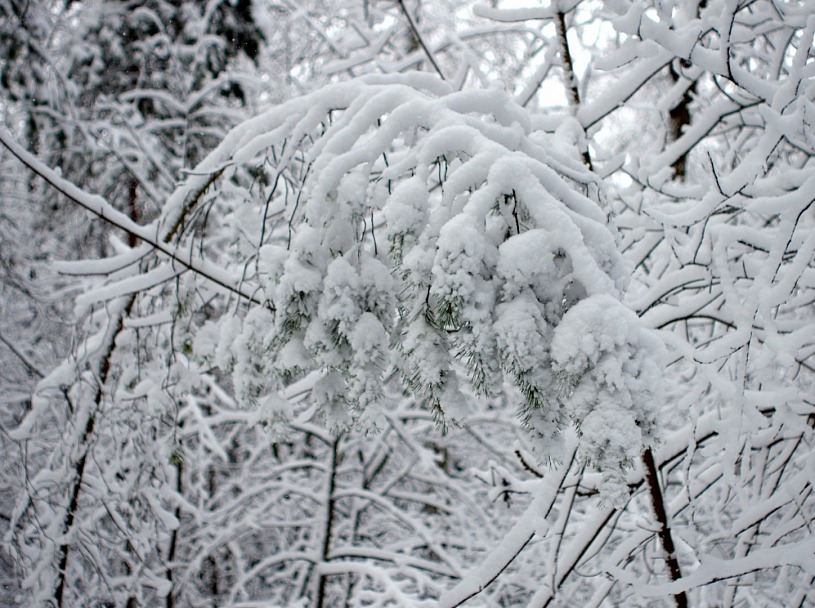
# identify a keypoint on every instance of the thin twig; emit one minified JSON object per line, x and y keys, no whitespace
{"x":29,"y":365}
{"x":416,"y":33}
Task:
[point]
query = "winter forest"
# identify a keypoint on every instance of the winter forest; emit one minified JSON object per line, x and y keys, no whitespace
{"x":368,"y":303}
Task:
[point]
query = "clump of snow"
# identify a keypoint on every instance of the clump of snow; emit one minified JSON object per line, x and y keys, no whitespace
{"x":369,"y":342}
{"x":462,"y":261}
{"x":271,"y":261}
{"x":224,"y":353}
{"x":252,"y":375}
{"x":610,"y":369}
{"x":338,"y":303}
{"x":523,"y":335}
{"x":275,"y":413}
{"x":405,"y":212}
{"x":329,"y":394}
{"x":427,"y":351}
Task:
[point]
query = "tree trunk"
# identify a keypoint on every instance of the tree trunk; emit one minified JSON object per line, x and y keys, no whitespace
{"x":664,"y":533}
{"x":320,"y":600}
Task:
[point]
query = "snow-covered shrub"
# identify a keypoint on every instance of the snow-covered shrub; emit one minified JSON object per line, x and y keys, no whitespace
{"x":435,"y":233}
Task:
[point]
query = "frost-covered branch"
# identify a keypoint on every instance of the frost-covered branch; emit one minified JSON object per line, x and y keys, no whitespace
{"x":149,"y":234}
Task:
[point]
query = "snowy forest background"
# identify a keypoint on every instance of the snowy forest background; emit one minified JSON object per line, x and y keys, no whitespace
{"x":407,"y":303}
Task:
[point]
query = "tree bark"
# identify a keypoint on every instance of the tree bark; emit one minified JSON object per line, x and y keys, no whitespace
{"x":570,"y":78}
{"x":664,"y":532}
{"x":320,"y":600}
